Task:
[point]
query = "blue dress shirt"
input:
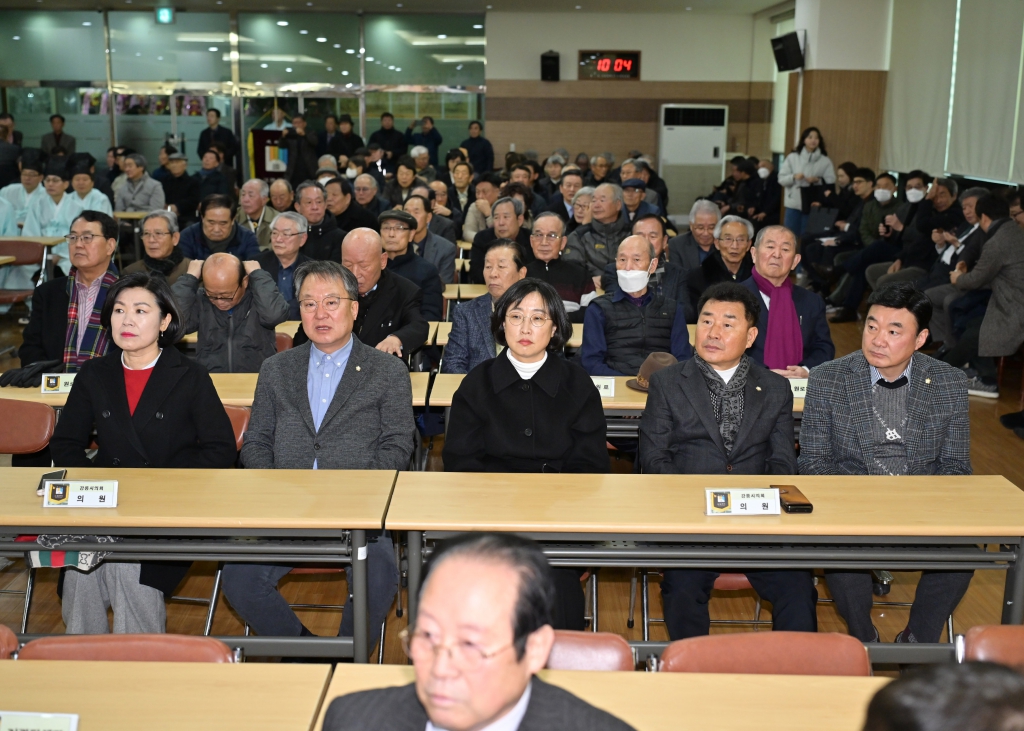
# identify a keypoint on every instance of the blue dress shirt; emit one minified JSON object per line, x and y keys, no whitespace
{"x":322,"y":379}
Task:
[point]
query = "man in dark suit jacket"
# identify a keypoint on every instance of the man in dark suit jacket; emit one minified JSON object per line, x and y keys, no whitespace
{"x":729,"y":260}
{"x":502,"y":585}
{"x":332,"y":403}
{"x":396,"y":230}
{"x":215,"y":133}
{"x":689,"y":250}
{"x":804,"y":339}
{"x":721,"y":413}
{"x":888,"y":410}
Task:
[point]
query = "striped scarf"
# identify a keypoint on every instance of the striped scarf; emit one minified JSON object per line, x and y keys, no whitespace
{"x":96,"y":338}
{"x":726,"y":398}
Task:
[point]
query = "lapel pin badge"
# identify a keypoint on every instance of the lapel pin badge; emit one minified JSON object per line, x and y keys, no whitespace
{"x":358,"y":368}
{"x":927,"y":380}
{"x":757,"y":388}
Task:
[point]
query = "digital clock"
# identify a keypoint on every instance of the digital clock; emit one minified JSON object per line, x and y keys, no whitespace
{"x":609,"y":65}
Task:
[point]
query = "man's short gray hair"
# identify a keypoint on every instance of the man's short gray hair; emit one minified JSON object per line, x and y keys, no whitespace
{"x":327,"y":269}
{"x":284,"y":181}
{"x":608,"y":157}
{"x":734,"y":219}
{"x":586,"y":190}
{"x":556,"y":159}
{"x":616,"y":190}
{"x":327,"y":161}
{"x":768,"y":229}
{"x":550,"y":214}
{"x":169,"y":216}
{"x":517,"y":204}
{"x":975,"y":192}
{"x":367,"y":178}
{"x":301,"y":224}
{"x":703,"y":205}
{"x":627,"y":161}
{"x":264,"y":188}
{"x":306,"y":185}
{"x":137,"y":159}
{"x":418,"y":150}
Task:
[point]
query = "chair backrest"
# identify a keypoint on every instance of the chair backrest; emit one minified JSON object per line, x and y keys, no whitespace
{"x":136,"y":648}
{"x":8,"y":642}
{"x":769,"y":653}
{"x":24,"y":252}
{"x":590,"y":651}
{"x":239,"y":416}
{"x":284,"y":341}
{"x":732,"y":582}
{"x":1001,"y":643}
{"x":25,"y":427}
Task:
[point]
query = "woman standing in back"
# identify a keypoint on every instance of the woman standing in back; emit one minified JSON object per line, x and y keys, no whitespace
{"x":806,"y":166}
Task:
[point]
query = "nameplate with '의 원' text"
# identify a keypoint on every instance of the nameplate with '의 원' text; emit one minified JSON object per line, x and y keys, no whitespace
{"x":799,"y":387}
{"x":605,"y":385}
{"x":24,"y":721}
{"x":80,"y":494}
{"x":57,"y":382}
{"x":742,"y":501}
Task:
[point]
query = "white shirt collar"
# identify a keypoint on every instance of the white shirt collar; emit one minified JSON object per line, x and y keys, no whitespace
{"x":509,"y":722}
{"x":145,"y":367}
{"x":875,"y":375}
{"x":526,"y":371}
{"x":727,"y":374}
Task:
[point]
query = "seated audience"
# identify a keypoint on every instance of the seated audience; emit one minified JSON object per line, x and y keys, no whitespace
{"x":507,"y":216}
{"x":792,"y":330}
{"x":822,"y":253}
{"x":438,"y":225}
{"x":216,"y":232}
{"x":461,"y":192}
{"x":352,"y":410}
{"x":668,"y":278}
{"x":139,"y":192}
{"x":20,"y":194}
{"x":347,"y":212}
{"x":569,"y":278}
{"x":49,"y":214}
{"x":722,"y":413}
{"x":366,"y":192}
{"x":181,"y":190}
{"x":552,"y":178}
{"x":323,"y":240}
{"x":594,"y":244}
{"x":439,"y":207}
{"x":399,"y":187}
{"x":1000,"y":330}
{"x":429,"y":246}
{"x":600,"y":166}
{"x":287,"y":235}
{"x":729,"y":262}
{"x":46,"y":219}
{"x":282,"y":195}
{"x":766,"y":198}
{"x":471,"y":341}
{"x":161,"y":256}
{"x":974,"y":696}
{"x":211,"y":178}
{"x":478,"y":211}
{"x":146,"y":376}
{"x":396,"y":230}
{"x":376,"y":167}
{"x":581,"y":213}
{"x":689,"y":250}
{"x":483,"y":591}
{"x":633,"y":202}
{"x":254,"y":211}
{"x":622,"y":329}
{"x":234,"y":307}
{"x":421,"y":157}
{"x":560,"y":201}
{"x":888,"y":410}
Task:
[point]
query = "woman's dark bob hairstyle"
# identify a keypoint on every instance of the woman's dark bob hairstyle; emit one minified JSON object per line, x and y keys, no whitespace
{"x":164,"y":300}
{"x":552,"y":302}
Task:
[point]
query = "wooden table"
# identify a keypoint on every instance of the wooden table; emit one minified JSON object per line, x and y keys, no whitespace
{"x":295,"y":516}
{"x":156,"y":695}
{"x":680,"y":701}
{"x":420,"y":388}
{"x":135,"y":217}
{"x":444,"y":330}
{"x":451,"y":291}
{"x":465,"y":246}
{"x":288,"y":327}
{"x":898,"y":523}
{"x":472,"y":291}
{"x":5,"y":260}
{"x":431,"y":332}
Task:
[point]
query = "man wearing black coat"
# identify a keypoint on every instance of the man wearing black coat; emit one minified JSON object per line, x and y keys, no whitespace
{"x":301,"y":145}
{"x":481,"y":152}
{"x":181,"y":190}
{"x":391,"y":141}
{"x":396,"y":231}
{"x":215,"y":133}
{"x":721,"y":413}
{"x":730,"y":260}
{"x":346,"y":141}
{"x":324,"y":238}
{"x":341,"y":204}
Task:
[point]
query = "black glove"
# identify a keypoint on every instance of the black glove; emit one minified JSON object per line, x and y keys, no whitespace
{"x":31,"y":376}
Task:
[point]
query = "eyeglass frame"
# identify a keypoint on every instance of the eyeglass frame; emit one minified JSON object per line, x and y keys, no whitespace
{"x":71,"y":239}
{"x":406,"y":638}
{"x":531,"y":318}
{"x":224,"y":299}
{"x":321,"y":302}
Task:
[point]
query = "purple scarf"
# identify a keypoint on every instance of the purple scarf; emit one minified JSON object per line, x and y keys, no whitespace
{"x":783,"y":343}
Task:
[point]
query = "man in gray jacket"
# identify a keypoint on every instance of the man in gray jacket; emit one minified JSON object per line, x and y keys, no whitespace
{"x":331,"y":403}
{"x":438,"y":251}
{"x":596,"y":243}
{"x":234,"y":308}
{"x":139,"y":192}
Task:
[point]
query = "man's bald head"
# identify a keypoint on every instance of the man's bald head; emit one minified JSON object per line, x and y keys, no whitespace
{"x":224,"y":280}
{"x":362,"y":253}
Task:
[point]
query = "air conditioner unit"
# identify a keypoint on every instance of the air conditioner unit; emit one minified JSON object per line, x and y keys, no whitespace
{"x":691,"y":140}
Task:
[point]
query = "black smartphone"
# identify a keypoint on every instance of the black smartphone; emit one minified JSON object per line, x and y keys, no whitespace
{"x":792,"y":500}
{"x":55,"y":475}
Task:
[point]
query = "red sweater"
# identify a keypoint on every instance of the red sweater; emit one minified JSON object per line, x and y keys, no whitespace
{"x":134,"y":385}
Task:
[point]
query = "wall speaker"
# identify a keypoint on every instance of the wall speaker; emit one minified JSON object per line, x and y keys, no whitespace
{"x":788,"y":54}
{"x":549,"y":66}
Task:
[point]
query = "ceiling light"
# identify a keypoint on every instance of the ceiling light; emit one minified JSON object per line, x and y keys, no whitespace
{"x":17,"y":38}
{"x":337,"y":45}
{"x":282,"y":23}
{"x":350,"y":50}
{"x":31,"y":95}
{"x":303,"y":32}
{"x":321,"y":39}
{"x":309,"y":5}
{"x":259,"y":83}
{"x":159,"y":58}
{"x":442,"y":36}
{"x":87,"y":23}
{"x":330,"y":69}
{"x":138,"y":54}
{"x":344,"y":73}
{"x":478,"y":27}
{"x":369,"y":58}
{"x":489,"y":7}
{"x":459,"y":67}
{"x":213,"y":48}
{"x":263,"y":65}
{"x":398,"y":68}
{"x":348,"y":86}
{"x":289,"y":69}
{"x":392,"y":68}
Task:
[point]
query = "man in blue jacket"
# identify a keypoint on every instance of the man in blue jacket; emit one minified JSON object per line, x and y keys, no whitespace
{"x":216,"y":232}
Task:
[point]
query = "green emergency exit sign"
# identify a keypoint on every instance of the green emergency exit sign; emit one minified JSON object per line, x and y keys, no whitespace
{"x":165,"y":16}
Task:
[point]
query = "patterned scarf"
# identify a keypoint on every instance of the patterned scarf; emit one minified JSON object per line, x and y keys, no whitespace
{"x":96,"y":339}
{"x":726,"y":398}
{"x":783,"y":343}
{"x":164,"y":266}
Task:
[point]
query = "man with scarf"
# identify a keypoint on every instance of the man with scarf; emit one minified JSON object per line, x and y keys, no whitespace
{"x":160,"y":238}
{"x":722,"y":413}
{"x":792,"y":330}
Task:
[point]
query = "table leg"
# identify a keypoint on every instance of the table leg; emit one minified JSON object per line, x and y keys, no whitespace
{"x":360,"y":641}
{"x":1013,"y":594}
{"x":415,"y":538}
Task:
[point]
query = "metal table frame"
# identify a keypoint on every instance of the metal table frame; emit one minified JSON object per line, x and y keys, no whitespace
{"x":731,"y":552}
{"x":243,"y":545}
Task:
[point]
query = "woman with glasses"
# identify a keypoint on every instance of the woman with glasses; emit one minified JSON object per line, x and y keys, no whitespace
{"x":530,"y":410}
{"x":581,"y":214}
{"x":150,"y":406}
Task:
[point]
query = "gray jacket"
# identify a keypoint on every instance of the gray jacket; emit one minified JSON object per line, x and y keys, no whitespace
{"x":596,"y":244}
{"x":684,"y":251}
{"x":812,"y":165}
{"x":441,"y":253}
{"x":237,"y":341}
{"x":368,"y":425}
{"x":145,"y":195}
{"x":1001,"y":269}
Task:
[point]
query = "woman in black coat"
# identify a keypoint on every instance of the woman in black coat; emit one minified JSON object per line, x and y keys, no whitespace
{"x":150,"y":407}
{"x":530,"y":410}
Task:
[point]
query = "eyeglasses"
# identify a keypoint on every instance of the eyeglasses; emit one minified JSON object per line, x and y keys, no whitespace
{"x":393,"y":229}
{"x":275,"y":234}
{"x":419,"y":646}
{"x":230,"y":297}
{"x":737,"y":240}
{"x":517,"y":319}
{"x":362,"y":189}
{"x":702,"y":227}
{"x":86,"y":239}
{"x":155,"y":234}
{"x":552,"y":237}
{"x":330,"y":304}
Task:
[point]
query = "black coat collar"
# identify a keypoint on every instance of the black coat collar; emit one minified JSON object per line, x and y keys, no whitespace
{"x":504,"y":374}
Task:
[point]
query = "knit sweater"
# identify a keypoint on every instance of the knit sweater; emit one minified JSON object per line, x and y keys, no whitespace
{"x":888,"y":429}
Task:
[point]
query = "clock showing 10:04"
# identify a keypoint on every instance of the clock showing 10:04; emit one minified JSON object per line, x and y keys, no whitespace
{"x":609,"y":65}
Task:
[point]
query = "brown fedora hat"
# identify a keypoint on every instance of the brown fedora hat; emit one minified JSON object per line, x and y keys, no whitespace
{"x":654,"y":363}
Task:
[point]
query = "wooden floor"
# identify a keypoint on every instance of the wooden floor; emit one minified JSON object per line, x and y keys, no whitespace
{"x":994,"y":450}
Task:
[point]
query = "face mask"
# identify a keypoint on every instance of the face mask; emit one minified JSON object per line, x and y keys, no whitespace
{"x":915,"y":195}
{"x":882,"y":195}
{"x":763,"y":173}
{"x":351,"y":173}
{"x":324,"y":179}
{"x":632,"y":281}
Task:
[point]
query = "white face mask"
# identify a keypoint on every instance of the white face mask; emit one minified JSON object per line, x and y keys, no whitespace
{"x":351,"y":173}
{"x":324,"y":179}
{"x":763,"y":173}
{"x":915,"y":195}
{"x":882,"y":195}
{"x":633,"y":280}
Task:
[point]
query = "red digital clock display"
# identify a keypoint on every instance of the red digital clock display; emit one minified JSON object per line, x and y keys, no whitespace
{"x":609,"y":65}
